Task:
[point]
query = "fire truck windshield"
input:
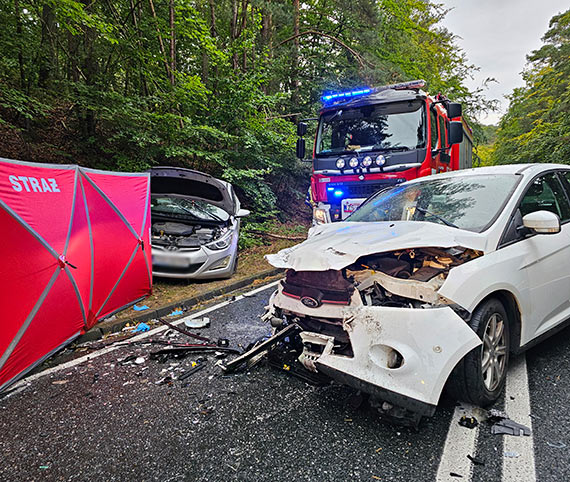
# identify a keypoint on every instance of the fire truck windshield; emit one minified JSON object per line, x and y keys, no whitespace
{"x":389,"y":126}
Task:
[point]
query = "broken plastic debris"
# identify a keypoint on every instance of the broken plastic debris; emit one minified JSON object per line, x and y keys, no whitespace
{"x":511,"y":455}
{"x":468,"y":422}
{"x":176,"y":313}
{"x":139,"y":360}
{"x":453,"y":474}
{"x":556,"y":445}
{"x":142,"y":327}
{"x":508,"y":427}
{"x":475,"y":460}
{"x":140,"y":308}
{"x":198,"y":322}
{"x":60,"y":382}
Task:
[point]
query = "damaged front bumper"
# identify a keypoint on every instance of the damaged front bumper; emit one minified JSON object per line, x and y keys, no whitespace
{"x":399,"y":355}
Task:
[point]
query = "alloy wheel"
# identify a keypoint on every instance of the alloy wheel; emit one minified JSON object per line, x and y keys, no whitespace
{"x":494,"y":352}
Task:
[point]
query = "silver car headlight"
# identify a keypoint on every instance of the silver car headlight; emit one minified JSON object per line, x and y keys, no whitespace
{"x":221,"y":243}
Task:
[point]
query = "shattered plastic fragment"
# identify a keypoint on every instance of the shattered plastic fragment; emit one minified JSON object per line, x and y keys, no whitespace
{"x":139,"y":360}
{"x":142,"y":327}
{"x":508,"y":427}
{"x":198,"y":322}
{"x":468,"y":422}
{"x":176,"y":313}
{"x":475,"y":460}
{"x":511,"y":455}
{"x":556,"y":445}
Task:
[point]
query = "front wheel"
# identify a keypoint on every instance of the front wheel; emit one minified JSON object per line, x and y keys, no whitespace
{"x":480,"y":377}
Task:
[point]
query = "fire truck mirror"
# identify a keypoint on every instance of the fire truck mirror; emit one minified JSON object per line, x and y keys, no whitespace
{"x":301,"y":129}
{"x":454,"y":110}
{"x":455,"y":134}
{"x":301,"y":148}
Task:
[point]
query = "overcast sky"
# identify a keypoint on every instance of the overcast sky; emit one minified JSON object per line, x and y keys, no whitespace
{"x":497,"y":35}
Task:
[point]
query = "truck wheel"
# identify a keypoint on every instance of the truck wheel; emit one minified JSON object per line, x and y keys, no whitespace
{"x":480,"y":377}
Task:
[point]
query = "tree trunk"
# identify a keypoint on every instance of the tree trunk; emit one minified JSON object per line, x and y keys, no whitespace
{"x":19,"y":39}
{"x":47,"y":50}
{"x":295,"y":57}
{"x":172,"y":44}
{"x":234,"y":33}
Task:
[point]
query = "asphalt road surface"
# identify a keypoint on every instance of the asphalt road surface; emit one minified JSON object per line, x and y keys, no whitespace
{"x":97,"y":419}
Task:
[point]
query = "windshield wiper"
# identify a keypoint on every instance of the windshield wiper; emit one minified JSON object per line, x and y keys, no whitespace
{"x":443,"y":220}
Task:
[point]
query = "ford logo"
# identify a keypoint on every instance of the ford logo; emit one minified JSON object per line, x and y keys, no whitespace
{"x":310,"y":302}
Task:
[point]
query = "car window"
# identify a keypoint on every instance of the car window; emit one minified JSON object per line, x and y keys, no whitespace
{"x":433,"y":129}
{"x":466,"y":202}
{"x":546,"y":194}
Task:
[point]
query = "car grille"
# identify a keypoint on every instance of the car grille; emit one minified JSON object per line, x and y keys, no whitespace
{"x":176,"y":270}
{"x":321,"y":286}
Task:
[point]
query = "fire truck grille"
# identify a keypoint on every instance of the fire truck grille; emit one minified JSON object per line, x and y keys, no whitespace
{"x":364,"y":190}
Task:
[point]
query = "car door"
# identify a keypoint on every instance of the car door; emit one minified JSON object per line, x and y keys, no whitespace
{"x":545,"y":258}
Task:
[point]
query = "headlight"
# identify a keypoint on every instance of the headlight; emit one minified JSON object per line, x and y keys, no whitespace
{"x":320,"y":216}
{"x":340,"y":163}
{"x":380,"y":160}
{"x":353,"y":162}
{"x":221,"y":243}
{"x":367,"y":161}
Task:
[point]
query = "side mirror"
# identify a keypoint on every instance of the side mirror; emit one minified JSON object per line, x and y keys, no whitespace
{"x":301,"y":129}
{"x":242,"y":213}
{"x":300,"y":148}
{"x":454,"y":110}
{"x":455,"y":133}
{"x":542,"y":222}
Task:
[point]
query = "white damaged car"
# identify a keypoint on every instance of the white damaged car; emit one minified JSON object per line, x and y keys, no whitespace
{"x":432,"y":283}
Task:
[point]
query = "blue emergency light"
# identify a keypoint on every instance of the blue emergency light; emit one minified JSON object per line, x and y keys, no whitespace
{"x":349,"y":94}
{"x":338,"y":193}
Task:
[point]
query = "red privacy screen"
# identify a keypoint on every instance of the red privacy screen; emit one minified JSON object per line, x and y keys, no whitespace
{"x":75,"y":249}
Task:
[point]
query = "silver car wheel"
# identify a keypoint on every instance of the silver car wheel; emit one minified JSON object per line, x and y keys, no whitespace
{"x":494,"y":352}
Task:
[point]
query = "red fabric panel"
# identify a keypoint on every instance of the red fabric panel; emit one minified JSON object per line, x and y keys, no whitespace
{"x":41,"y":197}
{"x":58,"y":319}
{"x":25,"y":270}
{"x":116,"y":187}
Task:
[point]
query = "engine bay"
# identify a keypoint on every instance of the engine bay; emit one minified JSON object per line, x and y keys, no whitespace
{"x":184,"y":235}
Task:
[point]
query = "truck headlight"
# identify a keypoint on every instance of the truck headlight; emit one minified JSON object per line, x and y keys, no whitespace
{"x":380,"y":160}
{"x":320,"y":215}
{"x":353,"y":162}
{"x":367,"y":161}
{"x":340,"y":163}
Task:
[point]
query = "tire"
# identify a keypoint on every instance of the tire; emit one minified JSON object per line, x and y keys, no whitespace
{"x":479,"y":378}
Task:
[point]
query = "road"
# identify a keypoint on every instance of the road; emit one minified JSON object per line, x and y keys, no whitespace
{"x":96,"y":419}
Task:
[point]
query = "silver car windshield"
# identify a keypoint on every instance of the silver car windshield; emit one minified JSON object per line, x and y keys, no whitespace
{"x":191,"y":208}
{"x":469,"y":202}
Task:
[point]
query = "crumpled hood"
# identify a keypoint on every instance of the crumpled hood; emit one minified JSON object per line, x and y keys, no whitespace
{"x":337,"y":245}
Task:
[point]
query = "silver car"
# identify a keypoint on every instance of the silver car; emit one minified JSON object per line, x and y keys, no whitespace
{"x":195,"y":224}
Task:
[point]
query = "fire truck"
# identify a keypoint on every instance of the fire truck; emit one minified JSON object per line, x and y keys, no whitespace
{"x":369,"y":139}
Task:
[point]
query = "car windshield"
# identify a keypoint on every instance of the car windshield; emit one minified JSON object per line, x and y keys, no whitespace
{"x":398,"y":125}
{"x":467,"y":202}
{"x":192,"y":208}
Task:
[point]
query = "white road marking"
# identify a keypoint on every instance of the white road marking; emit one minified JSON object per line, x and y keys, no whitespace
{"x":64,"y":366}
{"x":460,"y":442}
{"x":521,"y":468}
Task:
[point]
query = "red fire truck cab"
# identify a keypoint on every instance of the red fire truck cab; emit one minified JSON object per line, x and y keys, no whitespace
{"x":372,"y":138}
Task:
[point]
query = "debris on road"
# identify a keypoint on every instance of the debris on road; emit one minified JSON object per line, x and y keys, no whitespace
{"x":60,"y":382}
{"x":197,"y":322}
{"x":453,"y":474}
{"x":139,"y":360}
{"x":262,"y":347}
{"x":556,"y":445}
{"x":140,"y":308}
{"x":196,"y":367}
{"x":176,"y":313}
{"x":468,"y":422}
{"x":142,"y":327}
{"x":511,"y":455}
{"x":508,"y":427}
{"x":475,"y":460}
{"x":183,"y":351}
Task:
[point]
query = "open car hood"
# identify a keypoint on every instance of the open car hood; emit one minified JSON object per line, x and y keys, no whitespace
{"x":338,"y":245}
{"x":189,"y":184}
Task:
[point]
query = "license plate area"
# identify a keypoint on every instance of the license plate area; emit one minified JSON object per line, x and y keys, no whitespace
{"x":349,"y":206}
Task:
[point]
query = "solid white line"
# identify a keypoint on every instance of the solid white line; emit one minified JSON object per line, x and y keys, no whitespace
{"x":64,"y":366}
{"x":460,"y":442}
{"x":521,"y":468}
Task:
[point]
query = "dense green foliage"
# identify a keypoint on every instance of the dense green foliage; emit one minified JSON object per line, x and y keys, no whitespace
{"x":211,"y":85}
{"x":536,"y":127}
